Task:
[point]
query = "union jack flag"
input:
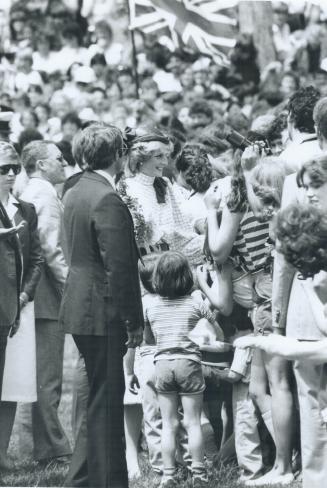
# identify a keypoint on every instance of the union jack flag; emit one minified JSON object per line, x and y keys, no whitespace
{"x":198,"y":24}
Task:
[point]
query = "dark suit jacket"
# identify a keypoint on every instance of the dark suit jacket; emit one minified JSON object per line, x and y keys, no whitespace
{"x":102,"y":290}
{"x":23,"y":249}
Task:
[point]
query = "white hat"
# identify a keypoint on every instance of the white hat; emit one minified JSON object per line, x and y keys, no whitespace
{"x":84,"y":74}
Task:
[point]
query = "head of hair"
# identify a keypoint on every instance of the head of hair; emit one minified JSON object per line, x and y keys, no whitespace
{"x":172,"y":276}
{"x":138,"y":151}
{"x":72,"y":30}
{"x":146,"y":269}
{"x":237,"y":200}
{"x":321,"y":125}
{"x":35,"y":88}
{"x":300,"y":108}
{"x":316,"y":169}
{"x":194,"y":163}
{"x":33,"y":152}
{"x":71,"y":118}
{"x":8,"y":152}
{"x":301,"y":231}
{"x":98,"y":58}
{"x":97,"y":146}
{"x":319,"y":110}
{"x":267,"y":181}
{"x":29,"y":135}
{"x":201,"y":107}
{"x":104,"y":26}
{"x":66,"y":150}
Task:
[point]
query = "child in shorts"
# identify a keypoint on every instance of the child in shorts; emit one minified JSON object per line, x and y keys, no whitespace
{"x":173,"y":314}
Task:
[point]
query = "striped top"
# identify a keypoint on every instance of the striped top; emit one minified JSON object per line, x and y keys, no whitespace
{"x":251,"y":242}
{"x":171,"y":321}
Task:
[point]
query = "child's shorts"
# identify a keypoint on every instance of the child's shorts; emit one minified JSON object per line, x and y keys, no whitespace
{"x":182,"y":376}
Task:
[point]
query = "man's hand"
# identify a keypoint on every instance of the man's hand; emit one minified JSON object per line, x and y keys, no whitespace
{"x":14,"y":328}
{"x":250,"y":157}
{"x":135,"y":337}
{"x":212,"y":198}
{"x":23,"y":299}
{"x":4,"y":233}
{"x":132,"y":383}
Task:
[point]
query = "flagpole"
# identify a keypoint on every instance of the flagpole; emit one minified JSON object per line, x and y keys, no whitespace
{"x":134,"y":53}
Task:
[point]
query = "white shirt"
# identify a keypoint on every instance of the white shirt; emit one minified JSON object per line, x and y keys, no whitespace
{"x":167,"y":221}
{"x":11,"y":207}
{"x":299,"y":151}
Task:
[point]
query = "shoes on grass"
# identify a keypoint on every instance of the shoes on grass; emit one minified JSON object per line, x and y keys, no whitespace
{"x":269,"y":479}
{"x":200,"y":482}
{"x":168,"y":483}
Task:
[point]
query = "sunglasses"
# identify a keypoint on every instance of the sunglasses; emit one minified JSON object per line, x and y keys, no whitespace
{"x":16,"y":168}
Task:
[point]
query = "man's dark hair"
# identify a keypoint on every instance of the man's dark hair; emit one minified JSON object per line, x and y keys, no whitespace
{"x":27,"y":136}
{"x":98,"y":146}
{"x":300,"y":107}
{"x":66,"y":149}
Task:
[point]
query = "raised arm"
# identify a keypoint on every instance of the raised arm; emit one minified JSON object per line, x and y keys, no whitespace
{"x":220,"y":239}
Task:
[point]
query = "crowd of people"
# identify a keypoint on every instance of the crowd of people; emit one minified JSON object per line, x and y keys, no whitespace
{"x":177,"y":230}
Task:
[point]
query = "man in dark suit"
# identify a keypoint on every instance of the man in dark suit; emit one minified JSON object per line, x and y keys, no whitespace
{"x":11,"y":272}
{"x":101,"y":305}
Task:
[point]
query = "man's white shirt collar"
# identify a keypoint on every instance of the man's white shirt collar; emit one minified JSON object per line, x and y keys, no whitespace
{"x":107,"y":176}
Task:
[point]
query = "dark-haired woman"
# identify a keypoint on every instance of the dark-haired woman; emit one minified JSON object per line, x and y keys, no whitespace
{"x":19,"y":379}
{"x":241,"y":231}
{"x":293,"y":311}
{"x":195,"y":173}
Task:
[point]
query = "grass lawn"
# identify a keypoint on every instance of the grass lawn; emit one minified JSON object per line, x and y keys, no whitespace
{"x":29,"y":473}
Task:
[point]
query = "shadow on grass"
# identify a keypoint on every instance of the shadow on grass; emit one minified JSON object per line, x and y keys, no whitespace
{"x":29,"y":473}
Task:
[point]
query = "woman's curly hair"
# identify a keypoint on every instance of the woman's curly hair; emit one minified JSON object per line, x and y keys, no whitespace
{"x":301,"y":232}
{"x":316,"y":169}
{"x":194,"y":162}
{"x":267,"y":180}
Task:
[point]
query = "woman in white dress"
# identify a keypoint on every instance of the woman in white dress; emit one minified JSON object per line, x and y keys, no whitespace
{"x":19,"y":382}
{"x":160,"y":224}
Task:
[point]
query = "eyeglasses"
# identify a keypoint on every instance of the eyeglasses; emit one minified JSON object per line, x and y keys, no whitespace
{"x":16,"y":168}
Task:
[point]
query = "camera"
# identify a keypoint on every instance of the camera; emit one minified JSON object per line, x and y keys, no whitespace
{"x":239,"y":141}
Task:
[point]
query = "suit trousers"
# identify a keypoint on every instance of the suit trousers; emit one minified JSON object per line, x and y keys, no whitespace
{"x":49,"y":437}
{"x":313,"y":429}
{"x":99,"y":452}
{"x":4,"y":331}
